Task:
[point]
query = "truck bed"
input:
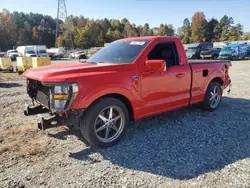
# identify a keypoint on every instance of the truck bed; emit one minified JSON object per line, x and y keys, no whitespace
{"x":202,"y":71}
{"x":202,"y":61}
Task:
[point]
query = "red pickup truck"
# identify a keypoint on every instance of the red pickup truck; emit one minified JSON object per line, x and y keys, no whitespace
{"x":129,"y":79}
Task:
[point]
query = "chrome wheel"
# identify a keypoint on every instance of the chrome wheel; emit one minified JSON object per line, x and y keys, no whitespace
{"x":215,"y":98}
{"x":109,"y":124}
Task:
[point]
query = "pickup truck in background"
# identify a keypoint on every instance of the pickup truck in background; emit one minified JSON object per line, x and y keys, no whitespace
{"x":234,"y":52}
{"x":212,"y":53}
{"x":193,"y":50}
{"x":127,"y":80}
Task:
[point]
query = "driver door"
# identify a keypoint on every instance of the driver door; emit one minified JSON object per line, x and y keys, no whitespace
{"x":165,"y":91}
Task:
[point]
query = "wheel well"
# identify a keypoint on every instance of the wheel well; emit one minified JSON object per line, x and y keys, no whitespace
{"x":218,"y":80}
{"x":125,"y":100}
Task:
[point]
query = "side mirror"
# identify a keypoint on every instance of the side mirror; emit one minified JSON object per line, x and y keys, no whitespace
{"x":156,"y":65}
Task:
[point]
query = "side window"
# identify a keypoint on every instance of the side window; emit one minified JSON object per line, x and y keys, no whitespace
{"x":166,"y":51}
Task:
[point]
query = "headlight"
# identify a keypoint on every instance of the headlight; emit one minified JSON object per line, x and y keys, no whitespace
{"x":62,"y":96}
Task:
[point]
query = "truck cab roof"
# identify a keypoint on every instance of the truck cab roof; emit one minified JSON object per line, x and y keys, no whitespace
{"x":149,"y":38}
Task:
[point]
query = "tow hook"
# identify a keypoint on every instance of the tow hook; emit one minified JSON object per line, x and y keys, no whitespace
{"x":34,"y":109}
{"x":49,"y":122}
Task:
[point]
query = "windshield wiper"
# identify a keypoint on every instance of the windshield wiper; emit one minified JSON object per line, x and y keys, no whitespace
{"x":98,"y":62}
{"x":89,"y":62}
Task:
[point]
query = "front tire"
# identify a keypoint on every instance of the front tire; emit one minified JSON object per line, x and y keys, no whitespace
{"x":213,"y":97}
{"x":104,"y":123}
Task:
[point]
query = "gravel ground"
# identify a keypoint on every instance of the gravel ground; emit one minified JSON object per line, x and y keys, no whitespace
{"x":184,"y":148}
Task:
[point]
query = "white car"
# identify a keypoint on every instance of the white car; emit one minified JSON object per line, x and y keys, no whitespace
{"x":13,"y":54}
{"x":78,"y":54}
{"x":56,"y":52}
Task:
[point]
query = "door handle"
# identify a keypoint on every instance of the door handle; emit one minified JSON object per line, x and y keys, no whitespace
{"x":180,"y":75}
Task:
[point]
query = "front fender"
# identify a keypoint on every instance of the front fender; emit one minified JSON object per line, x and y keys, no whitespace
{"x":100,"y":92}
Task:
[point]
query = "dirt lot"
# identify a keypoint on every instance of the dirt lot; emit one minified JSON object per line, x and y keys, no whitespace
{"x":185,"y":148}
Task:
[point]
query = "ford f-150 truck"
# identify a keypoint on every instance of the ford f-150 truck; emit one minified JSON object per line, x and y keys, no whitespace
{"x":129,"y":79}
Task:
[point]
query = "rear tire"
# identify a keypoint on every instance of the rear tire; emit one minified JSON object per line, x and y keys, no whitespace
{"x":213,"y":97}
{"x":104,"y":123}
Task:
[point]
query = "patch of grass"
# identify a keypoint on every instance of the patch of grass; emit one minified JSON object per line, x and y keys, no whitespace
{"x":4,"y":148}
{"x":24,"y":142}
{"x":17,"y":131}
{"x":58,"y":129}
{"x":6,"y":76}
{"x":34,"y":148}
{"x":8,"y":147}
{"x":26,"y":149}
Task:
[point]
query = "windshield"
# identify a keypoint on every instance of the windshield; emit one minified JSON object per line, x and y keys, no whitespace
{"x":30,"y":52}
{"x":119,"y":52}
{"x":42,"y":51}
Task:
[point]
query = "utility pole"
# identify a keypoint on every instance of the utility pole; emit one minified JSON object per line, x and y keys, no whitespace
{"x":62,"y":16}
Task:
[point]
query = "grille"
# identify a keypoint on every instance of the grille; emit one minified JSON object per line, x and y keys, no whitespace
{"x":38,"y":92}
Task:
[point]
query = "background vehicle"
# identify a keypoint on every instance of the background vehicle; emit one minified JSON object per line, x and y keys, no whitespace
{"x":234,"y":51}
{"x":72,"y":54}
{"x":129,"y":79}
{"x":78,"y":54}
{"x":193,"y":50}
{"x":2,"y":54}
{"x":212,"y":53}
{"x":13,"y":54}
{"x":56,"y":52}
{"x":248,"y":52}
{"x":81,"y":55}
{"x":26,"y":51}
{"x":40,"y":50}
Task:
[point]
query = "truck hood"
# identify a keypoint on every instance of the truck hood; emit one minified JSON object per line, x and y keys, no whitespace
{"x":68,"y":72}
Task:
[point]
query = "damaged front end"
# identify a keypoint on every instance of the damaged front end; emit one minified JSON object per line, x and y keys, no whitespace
{"x":54,"y":99}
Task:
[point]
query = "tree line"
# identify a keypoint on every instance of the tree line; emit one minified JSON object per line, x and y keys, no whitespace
{"x":20,"y":28}
{"x":203,"y":30}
